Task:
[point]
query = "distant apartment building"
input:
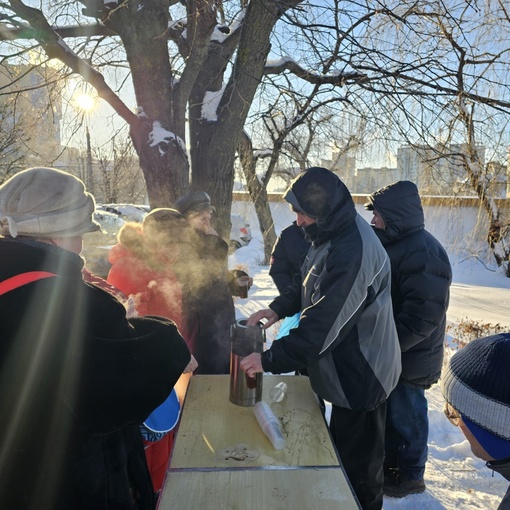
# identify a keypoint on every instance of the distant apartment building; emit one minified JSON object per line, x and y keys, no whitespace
{"x":368,"y":179}
{"x":359,"y":180}
{"x":342,"y":164}
{"x":32,"y":111}
{"x":439,"y":170}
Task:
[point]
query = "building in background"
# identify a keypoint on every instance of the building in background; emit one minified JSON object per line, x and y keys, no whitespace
{"x":33,"y":111}
{"x":30,"y":135}
{"x":436,"y":170}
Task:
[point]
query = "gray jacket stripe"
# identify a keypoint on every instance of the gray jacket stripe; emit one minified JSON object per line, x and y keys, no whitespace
{"x":354,"y":303}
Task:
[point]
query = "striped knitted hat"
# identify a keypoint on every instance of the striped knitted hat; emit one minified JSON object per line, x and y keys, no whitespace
{"x":477,"y":384}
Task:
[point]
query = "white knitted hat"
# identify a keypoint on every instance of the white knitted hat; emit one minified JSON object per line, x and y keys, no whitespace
{"x":45,"y":203}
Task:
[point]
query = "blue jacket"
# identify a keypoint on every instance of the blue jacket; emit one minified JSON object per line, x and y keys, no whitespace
{"x":346,"y":336}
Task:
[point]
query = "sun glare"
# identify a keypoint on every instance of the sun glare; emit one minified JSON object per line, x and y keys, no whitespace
{"x":85,"y":102}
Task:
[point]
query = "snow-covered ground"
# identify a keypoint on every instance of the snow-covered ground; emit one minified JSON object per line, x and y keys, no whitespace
{"x":455,"y":478}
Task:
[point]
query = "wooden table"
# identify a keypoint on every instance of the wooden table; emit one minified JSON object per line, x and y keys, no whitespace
{"x":222,"y":459}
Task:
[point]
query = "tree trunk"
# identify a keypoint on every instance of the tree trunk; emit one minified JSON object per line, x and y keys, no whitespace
{"x":258,"y":194}
{"x":159,"y":136}
{"x":214,"y":141}
{"x":498,"y":233}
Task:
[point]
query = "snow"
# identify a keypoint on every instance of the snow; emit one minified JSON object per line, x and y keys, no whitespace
{"x":161,"y":137}
{"x":455,"y":479}
{"x":279,"y":62}
{"x":210,"y":105}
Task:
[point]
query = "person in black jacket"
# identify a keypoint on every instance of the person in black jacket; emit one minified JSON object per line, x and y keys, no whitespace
{"x":208,"y":286}
{"x":287,"y":255}
{"x":420,"y":290}
{"x":346,"y":337}
{"x":76,"y":376}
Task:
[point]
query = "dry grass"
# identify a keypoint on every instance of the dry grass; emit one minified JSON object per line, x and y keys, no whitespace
{"x":467,"y":329}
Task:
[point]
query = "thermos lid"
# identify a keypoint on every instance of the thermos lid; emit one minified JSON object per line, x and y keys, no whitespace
{"x":246,"y":339}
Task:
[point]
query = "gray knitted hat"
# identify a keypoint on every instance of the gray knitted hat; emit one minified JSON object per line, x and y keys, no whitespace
{"x":45,"y":203}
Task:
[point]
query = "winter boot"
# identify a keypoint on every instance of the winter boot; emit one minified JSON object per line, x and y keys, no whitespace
{"x":400,"y":487}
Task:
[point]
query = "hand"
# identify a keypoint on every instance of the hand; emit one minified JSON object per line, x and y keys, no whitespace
{"x":130,"y":307}
{"x":252,"y":364}
{"x":267,"y":313}
{"x":192,"y":365}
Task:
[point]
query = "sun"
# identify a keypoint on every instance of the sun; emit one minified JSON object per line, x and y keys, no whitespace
{"x":85,"y":102}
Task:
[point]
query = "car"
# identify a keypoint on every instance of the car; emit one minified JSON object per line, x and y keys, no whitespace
{"x":240,"y":233}
{"x":128,"y":212}
{"x":96,"y":245}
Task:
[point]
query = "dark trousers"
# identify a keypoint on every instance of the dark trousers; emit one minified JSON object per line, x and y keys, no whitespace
{"x":359,"y":438}
{"x":407,"y":430}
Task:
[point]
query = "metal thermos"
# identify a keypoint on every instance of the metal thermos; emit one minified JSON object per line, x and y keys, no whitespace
{"x":244,"y":390}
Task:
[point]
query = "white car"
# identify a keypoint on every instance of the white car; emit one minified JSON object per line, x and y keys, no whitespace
{"x":240,"y":233}
{"x":128,"y":212}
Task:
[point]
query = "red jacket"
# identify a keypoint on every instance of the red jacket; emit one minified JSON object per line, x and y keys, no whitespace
{"x":147,"y":276}
{"x":156,"y":291}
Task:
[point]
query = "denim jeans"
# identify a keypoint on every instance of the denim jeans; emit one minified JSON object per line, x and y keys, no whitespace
{"x":407,"y":430}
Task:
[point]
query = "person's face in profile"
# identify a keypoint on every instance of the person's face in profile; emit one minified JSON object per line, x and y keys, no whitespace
{"x":202,"y":220}
{"x":377,"y":220}
{"x":303,"y":220}
{"x":456,"y":419}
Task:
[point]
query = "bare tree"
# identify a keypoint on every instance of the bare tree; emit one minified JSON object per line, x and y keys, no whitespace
{"x":11,"y":153}
{"x":199,"y":62}
{"x":120,"y":176}
{"x":398,"y":64}
{"x":460,"y":105}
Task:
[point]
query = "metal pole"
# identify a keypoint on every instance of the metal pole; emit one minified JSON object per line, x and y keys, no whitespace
{"x":90,"y":180}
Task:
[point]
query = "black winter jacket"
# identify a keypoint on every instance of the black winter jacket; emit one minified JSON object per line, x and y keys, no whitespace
{"x":208,"y":306}
{"x":503,"y":468}
{"x":346,"y":336}
{"x":420,"y":282}
{"x":287,"y":256}
{"x":76,"y":377}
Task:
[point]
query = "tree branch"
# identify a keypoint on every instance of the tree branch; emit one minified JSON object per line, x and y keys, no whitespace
{"x":55,"y":47}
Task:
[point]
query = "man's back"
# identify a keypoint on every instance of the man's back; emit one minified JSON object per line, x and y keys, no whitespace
{"x":75,"y":380}
{"x":421,"y":278}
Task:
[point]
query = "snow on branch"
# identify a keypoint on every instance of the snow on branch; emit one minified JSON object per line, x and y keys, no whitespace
{"x":222,"y":32}
{"x":288,"y":64}
{"x":161,"y":137}
{"x":262,"y":153}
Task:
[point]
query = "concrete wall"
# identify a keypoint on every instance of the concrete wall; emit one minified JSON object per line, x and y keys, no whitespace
{"x":457,"y":222}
